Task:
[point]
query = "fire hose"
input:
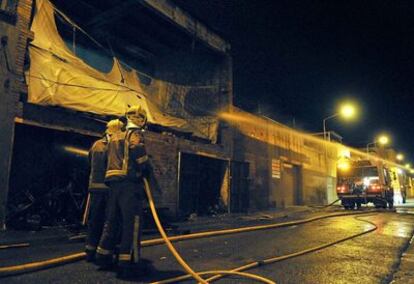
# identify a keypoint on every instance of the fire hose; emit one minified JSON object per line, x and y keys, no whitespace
{"x":272,"y":259}
{"x":324,"y":206}
{"x":33,"y":266}
{"x":177,"y":256}
{"x":74,"y":257}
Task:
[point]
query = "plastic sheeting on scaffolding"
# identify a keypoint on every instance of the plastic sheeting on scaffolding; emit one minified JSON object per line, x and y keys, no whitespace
{"x":57,"y":77}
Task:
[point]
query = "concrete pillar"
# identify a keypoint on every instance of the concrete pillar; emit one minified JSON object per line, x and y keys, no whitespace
{"x":14,"y":36}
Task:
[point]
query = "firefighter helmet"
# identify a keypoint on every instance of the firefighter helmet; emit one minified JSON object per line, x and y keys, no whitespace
{"x":114,"y":126}
{"x":137,"y":115}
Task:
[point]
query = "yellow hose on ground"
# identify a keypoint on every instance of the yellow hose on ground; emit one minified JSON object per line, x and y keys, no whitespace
{"x":16,"y":269}
{"x":178,"y":256}
{"x":299,"y":253}
{"x":324,"y":206}
{"x":228,"y":272}
{"x":33,"y":266}
{"x":165,"y":237}
{"x":270,"y":260}
{"x":246,"y":229}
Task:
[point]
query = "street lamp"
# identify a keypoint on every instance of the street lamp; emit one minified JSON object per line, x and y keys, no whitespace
{"x":346,"y":111}
{"x":382,"y":140}
{"x":400,"y":157}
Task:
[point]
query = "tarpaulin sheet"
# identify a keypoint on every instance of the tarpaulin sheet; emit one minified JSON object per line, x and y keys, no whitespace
{"x":57,"y":77}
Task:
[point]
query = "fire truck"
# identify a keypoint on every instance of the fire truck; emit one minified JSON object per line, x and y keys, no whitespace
{"x":365,"y":181}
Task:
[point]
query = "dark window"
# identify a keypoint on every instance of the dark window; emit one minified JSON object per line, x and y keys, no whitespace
{"x":8,"y":11}
{"x":8,"y":5}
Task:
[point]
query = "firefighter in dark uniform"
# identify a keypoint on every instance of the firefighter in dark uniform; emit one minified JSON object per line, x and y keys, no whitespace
{"x":98,"y":191}
{"x":127,"y":165}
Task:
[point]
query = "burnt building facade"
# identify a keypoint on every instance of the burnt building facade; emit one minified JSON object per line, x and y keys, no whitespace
{"x":64,"y":64}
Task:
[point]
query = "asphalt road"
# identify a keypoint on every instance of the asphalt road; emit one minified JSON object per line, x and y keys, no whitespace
{"x":371,"y":258}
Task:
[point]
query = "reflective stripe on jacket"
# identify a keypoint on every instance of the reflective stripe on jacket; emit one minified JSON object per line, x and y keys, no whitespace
{"x":97,"y":161}
{"x":126,"y":156}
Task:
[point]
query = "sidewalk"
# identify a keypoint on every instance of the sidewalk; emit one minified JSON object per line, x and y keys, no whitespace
{"x":405,"y":271}
{"x":34,"y":237}
{"x":193,"y":224}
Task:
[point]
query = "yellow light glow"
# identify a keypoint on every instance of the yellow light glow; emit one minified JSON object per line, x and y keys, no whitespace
{"x":274,"y":133}
{"x":344,"y":165}
{"x":400,"y":157}
{"x":76,"y":151}
{"x":347,"y":111}
{"x":407,"y":165}
{"x":383,"y":140}
{"x":345,"y":153}
{"x":411,"y":171}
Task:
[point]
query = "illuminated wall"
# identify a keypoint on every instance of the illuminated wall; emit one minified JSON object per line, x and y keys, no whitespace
{"x":287,"y":167}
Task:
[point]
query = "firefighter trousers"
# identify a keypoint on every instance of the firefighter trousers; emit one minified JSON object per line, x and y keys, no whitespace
{"x":125,"y":207}
{"x":97,"y":216}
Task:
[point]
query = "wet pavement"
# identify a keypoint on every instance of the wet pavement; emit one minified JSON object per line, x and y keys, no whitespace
{"x":371,"y":258}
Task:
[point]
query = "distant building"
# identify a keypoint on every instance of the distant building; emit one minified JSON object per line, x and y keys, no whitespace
{"x":285,"y":167}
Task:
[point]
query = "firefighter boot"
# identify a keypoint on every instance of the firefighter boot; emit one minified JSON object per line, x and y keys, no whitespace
{"x":90,"y":253}
{"x":104,"y":259}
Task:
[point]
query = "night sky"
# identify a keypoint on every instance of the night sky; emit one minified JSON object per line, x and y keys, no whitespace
{"x":294,"y":60}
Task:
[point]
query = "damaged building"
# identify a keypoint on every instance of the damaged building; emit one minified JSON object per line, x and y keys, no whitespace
{"x":68,"y":67}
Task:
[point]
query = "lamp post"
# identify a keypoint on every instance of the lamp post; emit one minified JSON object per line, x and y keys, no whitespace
{"x":347,"y":111}
{"x":324,"y":124}
{"x":372,"y":143}
{"x":382,"y":140}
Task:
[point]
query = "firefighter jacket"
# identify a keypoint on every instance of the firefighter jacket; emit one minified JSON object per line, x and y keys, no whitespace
{"x":127,"y":158}
{"x":98,"y":161}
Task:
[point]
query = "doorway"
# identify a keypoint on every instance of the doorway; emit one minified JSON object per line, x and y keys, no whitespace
{"x":49,"y":177}
{"x":200,"y":183}
{"x":291,"y":185}
{"x":239,"y":198}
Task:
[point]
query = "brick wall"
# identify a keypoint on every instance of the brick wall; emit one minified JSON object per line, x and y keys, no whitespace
{"x":163,"y":150}
{"x":11,"y":85}
{"x":163,"y":154}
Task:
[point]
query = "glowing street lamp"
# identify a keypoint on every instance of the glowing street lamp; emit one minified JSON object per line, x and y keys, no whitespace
{"x":400,"y":157}
{"x":382,"y":140}
{"x":346,"y":111}
{"x":408,"y":165}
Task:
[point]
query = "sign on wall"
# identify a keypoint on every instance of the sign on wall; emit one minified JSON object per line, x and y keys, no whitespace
{"x":275,"y":168}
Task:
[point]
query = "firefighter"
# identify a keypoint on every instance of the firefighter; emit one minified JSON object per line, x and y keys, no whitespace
{"x":127,"y":165}
{"x":98,"y":191}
